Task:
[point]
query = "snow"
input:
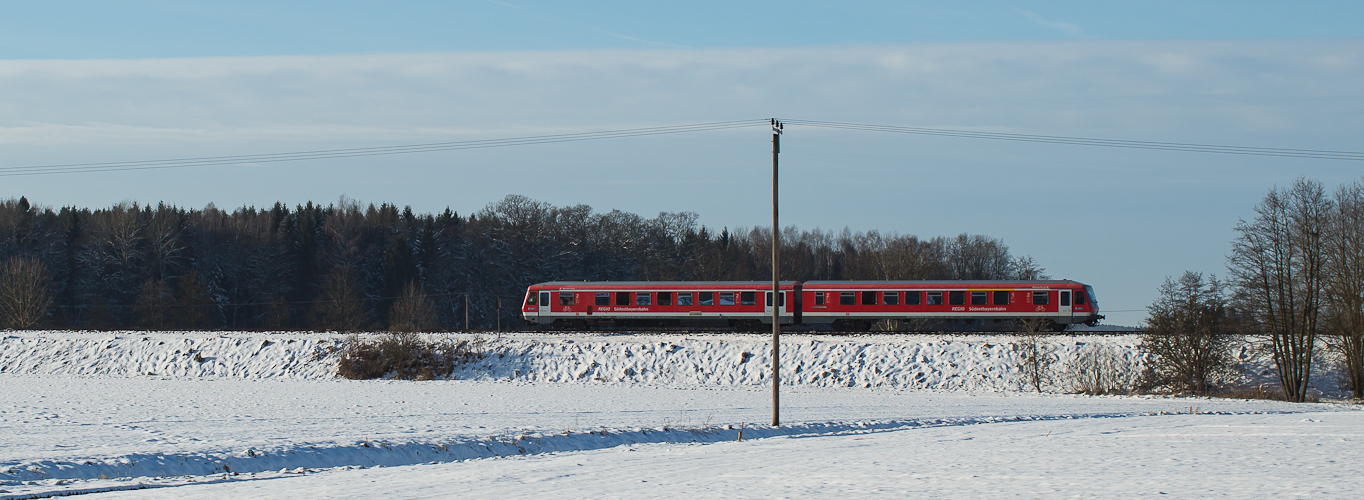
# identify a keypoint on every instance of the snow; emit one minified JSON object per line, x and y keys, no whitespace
{"x":973,"y":363}
{"x":261,"y":414}
{"x":1187,"y":456}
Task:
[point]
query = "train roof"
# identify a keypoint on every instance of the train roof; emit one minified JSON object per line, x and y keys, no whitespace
{"x":642,"y":284}
{"x":659,"y":283}
{"x":938,"y":282}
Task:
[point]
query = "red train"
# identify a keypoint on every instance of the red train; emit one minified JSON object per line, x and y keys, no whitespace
{"x":839,"y":305}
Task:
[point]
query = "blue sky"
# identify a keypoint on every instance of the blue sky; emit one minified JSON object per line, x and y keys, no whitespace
{"x":115,"y":81}
{"x":133,"y":29}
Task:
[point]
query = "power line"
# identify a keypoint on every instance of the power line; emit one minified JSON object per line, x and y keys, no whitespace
{"x":296,"y":302}
{"x":1315,"y":154}
{"x":372,"y":151}
{"x":672,"y":129}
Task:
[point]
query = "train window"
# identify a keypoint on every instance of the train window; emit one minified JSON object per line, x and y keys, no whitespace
{"x":819,"y":298}
{"x":1079,"y":297}
{"x":1065,"y":298}
{"x":868,"y":298}
{"x":957,"y":298}
{"x":665,"y":298}
{"x":622,"y":298}
{"x":1040,"y":298}
{"x":934,"y":298}
{"x":781,"y":301}
{"x":890,"y":298}
{"x":642,"y":298}
{"x":726,"y":298}
{"x":750,"y":298}
{"x":683,"y":298}
{"x":603,"y":298}
{"x":544,"y":298}
{"x":530,"y":299}
{"x":979,"y":298}
{"x":912,"y":298}
{"x":565,"y":298}
{"x":1001,"y":298}
{"x":847,"y":298}
{"x":707,"y":298}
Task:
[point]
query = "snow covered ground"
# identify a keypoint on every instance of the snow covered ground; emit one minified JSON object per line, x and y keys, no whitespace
{"x":1198,"y":456}
{"x":615,"y":416}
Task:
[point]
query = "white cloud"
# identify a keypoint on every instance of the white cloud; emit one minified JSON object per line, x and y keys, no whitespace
{"x":1127,"y":88}
{"x":1065,"y":28}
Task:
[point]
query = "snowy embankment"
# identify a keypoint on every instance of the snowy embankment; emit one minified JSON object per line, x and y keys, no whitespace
{"x":973,"y":363}
{"x":987,"y":363}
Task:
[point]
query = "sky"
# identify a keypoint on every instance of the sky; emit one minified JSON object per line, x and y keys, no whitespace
{"x":123,"y":81}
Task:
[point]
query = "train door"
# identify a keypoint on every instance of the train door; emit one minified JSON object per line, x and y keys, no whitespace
{"x":546,"y":306}
{"x":781,"y":303}
{"x":1063,"y":305}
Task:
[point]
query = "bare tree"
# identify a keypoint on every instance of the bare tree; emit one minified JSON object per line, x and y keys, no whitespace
{"x":1188,"y":334}
{"x":339,"y":305}
{"x":412,"y":312}
{"x":162,"y":232}
{"x":1277,"y":265}
{"x":279,"y":314}
{"x":193,"y":306}
{"x":1345,"y":281}
{"x":1036,"y":357}
{"x":978,"y":257}
{"x":25,"y":293}
{"x":1026,"y":268}
{"x":1098,"y":369}
{"x":897,"y":257}
{"x":154,"y":305}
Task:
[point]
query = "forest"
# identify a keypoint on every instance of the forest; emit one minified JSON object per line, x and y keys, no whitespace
{"x":348,"y":266}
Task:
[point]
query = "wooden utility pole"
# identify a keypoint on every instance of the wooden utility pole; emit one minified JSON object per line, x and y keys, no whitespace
{"x":776,"y":288}
{"x":466,"y":312}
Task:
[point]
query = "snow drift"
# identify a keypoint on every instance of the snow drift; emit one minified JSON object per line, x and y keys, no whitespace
{"x":973,"y":363}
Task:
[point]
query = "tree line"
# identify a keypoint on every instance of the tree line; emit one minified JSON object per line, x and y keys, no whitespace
{"x":347,"y":266}
{"x":1295,"y":281}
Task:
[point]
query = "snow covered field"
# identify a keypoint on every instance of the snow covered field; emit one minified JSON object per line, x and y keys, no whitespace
{"x":1248,"y":456}
{"x":614,"y":416}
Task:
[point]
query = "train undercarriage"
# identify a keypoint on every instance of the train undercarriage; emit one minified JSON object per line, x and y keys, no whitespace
{"x":918,"y":325}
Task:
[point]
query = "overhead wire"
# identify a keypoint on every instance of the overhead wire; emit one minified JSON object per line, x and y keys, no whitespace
{"x":297,"y":302}
{"x":662,"y":130}
{"x":373,"y":151}
{"x":1088,"y":141}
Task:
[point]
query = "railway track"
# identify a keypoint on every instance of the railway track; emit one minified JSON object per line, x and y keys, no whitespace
{"x":802,"y":331}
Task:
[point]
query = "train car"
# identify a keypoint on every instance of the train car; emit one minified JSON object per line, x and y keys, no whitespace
{"x":838,"y":305}
{"x":954,"y":305}
{"x":584,"y":304}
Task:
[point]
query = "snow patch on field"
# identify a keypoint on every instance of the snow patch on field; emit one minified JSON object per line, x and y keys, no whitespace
{"x":382,"y":453}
